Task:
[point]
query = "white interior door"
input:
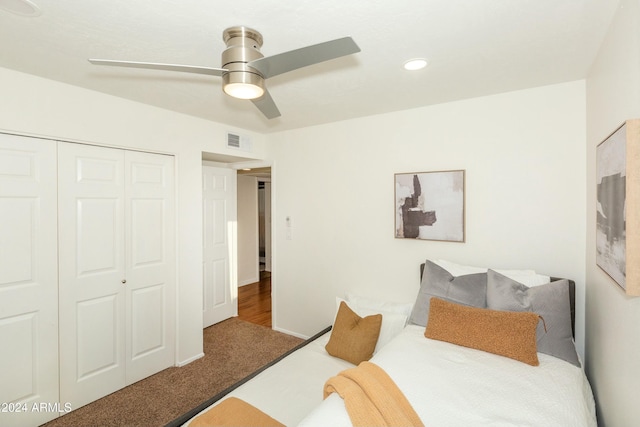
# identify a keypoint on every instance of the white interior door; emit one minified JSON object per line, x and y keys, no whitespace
{"x":220,"y":288}
{"x":150,"y":263}
{"x":28,"y":280}
{"x":92,"y":269}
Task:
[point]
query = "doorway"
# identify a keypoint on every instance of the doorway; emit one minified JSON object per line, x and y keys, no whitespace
{"x":254,"y":245}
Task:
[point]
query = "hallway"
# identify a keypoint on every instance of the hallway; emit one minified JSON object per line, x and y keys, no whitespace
{"x":254,"y":301}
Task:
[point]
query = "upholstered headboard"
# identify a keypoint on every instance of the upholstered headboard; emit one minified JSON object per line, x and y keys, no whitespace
{"x":572,"y":298}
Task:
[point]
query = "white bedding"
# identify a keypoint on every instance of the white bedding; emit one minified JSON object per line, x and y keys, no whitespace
{"x":291,"y":388}
{"x":449,"y":385}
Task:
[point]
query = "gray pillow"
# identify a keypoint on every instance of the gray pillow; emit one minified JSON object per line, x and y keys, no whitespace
{"x":550,"y":301}
{"x":469,"y":290}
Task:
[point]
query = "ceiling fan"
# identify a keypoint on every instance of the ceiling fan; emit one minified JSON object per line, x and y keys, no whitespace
{"x":244,"y":68}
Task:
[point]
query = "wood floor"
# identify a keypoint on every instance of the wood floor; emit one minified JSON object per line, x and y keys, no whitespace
{"x":254,"y":301}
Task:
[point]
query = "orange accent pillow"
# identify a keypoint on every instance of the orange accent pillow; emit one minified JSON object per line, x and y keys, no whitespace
{"x":353,"y":338}
{"x":234,"y":412}
{"x":506,"y":333}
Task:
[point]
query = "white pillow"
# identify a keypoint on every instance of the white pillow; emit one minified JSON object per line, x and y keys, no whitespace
{"x":526,"y":277}
{"x":458,"y":269}
{"x":529,"y":280}
{"x":383,"y":306}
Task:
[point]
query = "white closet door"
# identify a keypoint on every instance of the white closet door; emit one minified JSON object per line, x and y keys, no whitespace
{"x":150,"y":263}
{"x":220,"y":287}
{"x":28,"y":280}
{"x":117,"y":269}
{"x":92,"y":268}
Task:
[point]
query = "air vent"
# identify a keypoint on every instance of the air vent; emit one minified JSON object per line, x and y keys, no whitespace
{"x":233,"y":140}
{"x":239,"y":142}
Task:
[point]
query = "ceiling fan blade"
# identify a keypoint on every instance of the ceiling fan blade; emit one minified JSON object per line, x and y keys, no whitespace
{"x":156,"y":66}
{"x":267,"y":106}
{"x":270,"y":66}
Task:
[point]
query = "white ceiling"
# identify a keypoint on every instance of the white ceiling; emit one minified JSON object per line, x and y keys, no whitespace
{"x":474,"y":47}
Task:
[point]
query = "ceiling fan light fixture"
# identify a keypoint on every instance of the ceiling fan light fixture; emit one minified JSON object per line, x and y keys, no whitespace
{"x":242,"y":84}
{"x":243,"y":90}
{"x":243,"y":46}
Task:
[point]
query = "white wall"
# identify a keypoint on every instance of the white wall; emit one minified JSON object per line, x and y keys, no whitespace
{"x":33,"y":106}
{"x":248,"y":271}
{"x":613,"y":319}
{"x":524,"y":157}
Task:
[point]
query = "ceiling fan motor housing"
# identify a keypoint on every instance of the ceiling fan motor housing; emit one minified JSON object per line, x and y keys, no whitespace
{"x":243,"y":46}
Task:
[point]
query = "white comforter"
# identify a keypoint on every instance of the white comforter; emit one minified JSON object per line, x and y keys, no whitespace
{"x":291,"y":388}
{"x":449,"y":385}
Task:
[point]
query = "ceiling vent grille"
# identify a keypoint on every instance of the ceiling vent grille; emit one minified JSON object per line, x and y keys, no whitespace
{"x":239,"y":142}
{"x":233,"y":140}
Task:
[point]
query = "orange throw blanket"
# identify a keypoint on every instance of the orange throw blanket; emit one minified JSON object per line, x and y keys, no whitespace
{"x":234,"y":412}
{"x":371,"y":397}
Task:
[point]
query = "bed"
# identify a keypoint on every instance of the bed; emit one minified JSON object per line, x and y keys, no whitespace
{"x":450,"y":385}
{"x":447,"y":381}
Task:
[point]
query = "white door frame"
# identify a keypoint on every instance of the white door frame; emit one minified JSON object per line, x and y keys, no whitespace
{"x":255,"y":164}
{"x":267,"y":222}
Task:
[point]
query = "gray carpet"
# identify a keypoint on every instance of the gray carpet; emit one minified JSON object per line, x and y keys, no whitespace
{"x":233,"y":349}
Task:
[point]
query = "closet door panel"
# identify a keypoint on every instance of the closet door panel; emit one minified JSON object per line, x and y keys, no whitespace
{"x":92,"y":295}
{"x":150,"y":263}
{"x":97,"y":229}
{"x":28,"y":279}
{"x":97,"y":352}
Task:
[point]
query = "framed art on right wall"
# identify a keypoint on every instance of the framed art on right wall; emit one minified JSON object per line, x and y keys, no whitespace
{"x":618,"y":206}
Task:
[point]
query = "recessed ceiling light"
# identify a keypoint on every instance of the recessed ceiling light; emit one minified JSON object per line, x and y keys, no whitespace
{"x":415,"y":64}
{"x":20,"y":7}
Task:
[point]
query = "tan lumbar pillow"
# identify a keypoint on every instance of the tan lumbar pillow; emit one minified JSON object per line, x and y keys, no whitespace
{"x":353,"y":338}
{"x":506,"y":333}
{"x":234,"y":412}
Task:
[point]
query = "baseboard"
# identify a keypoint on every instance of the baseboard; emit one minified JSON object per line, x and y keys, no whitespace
{"x":295,"y":334}
{"x":248,"y":281}
{"x":189,"y":360}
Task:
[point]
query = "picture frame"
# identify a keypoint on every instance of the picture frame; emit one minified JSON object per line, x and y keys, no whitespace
{"x":430,"y":205}
{"x":618,"y":206}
